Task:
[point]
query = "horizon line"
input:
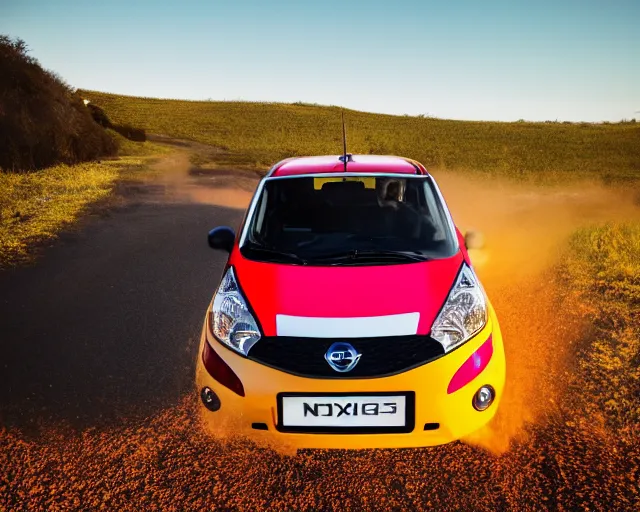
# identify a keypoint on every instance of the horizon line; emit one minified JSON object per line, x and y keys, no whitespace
{"x":319,"y":105}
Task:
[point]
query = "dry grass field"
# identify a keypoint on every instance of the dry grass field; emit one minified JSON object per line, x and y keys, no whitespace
{"x":259,"y":134}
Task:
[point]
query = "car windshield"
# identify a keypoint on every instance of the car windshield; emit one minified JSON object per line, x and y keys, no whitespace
{"x":353,"y":220}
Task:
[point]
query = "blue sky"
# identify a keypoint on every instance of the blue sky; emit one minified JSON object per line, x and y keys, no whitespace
{"x":459,"y":59}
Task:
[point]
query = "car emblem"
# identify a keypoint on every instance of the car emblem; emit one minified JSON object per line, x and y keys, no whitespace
{"x":342,"y":357}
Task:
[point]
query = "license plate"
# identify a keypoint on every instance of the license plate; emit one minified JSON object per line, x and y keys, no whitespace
{"x":376,"y":412}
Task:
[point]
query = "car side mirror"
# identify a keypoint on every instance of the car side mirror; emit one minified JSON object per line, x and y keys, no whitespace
{"x":222,"y":237}
{"x":473,"y":240}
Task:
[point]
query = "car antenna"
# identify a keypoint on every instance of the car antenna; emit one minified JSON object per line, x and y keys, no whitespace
{"x":345,"y":156}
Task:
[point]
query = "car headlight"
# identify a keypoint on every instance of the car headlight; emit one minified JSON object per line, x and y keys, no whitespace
{"x":464,"y":312}
{"x":230,"y":318}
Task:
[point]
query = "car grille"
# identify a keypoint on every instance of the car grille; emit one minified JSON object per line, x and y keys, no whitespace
{"x":381,"y":356}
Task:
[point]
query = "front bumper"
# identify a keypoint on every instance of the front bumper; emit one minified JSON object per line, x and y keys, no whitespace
{"x":433,"y":405}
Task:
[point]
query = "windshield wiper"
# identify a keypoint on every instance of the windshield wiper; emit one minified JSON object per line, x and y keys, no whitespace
{"x":274,"y":252}
{"x":356,"y":255}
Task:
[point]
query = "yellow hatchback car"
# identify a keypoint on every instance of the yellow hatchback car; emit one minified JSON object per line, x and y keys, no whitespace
{"x":349,"y":315}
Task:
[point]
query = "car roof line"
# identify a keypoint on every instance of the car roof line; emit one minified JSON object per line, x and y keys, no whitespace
{"x":419,"y":168}
{"x":279,"y":164}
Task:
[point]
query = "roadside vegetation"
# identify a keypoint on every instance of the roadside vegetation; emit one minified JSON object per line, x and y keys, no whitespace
{"x":260,"y":134}
{"x":43,"y":121}
{"x":602,"y":270}
{"x":36,"y":206}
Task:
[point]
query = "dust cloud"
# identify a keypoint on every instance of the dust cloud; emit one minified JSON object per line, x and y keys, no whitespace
{"x":182,"y":181}
{"x":524,"y":229}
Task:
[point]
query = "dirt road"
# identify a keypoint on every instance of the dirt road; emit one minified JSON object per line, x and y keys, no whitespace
{"x":98,"y":347}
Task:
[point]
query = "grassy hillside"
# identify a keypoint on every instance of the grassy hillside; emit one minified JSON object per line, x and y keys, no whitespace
{"x":262,"y":133}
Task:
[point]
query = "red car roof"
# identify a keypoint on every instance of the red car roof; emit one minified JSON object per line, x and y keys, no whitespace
{"x":355,"y":163}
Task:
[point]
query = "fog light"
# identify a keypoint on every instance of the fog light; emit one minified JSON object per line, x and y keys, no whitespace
{"x":209,"y":399}
{"x":483,"y":398}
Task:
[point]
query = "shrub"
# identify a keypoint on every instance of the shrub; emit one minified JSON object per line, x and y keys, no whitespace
{"x":99,"y":115}
{"x":131,"y":133}
{"x":43,"y":122}
{"x":126,"y":130}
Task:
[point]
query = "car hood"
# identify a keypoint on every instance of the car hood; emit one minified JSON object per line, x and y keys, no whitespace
{"x":350,"y":301}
